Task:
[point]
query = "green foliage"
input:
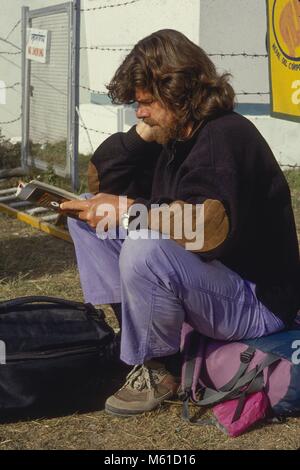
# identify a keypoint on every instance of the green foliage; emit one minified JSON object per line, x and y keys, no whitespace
{"x":10,"y":154}
{"x":50,"y":176}
{"x":54,"y":154}
{"x":293,"y":178}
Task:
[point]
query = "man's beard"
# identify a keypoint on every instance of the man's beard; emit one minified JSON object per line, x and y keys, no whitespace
{"x":167,"y":133}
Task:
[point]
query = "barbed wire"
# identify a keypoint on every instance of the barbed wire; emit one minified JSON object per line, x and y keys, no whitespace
{"x":289,"y":165}
{"x":10,"y":53}
{"x":85,"y":128}
{"x":233,"y":54}
{"x":111,"y":6}
{"x":94,"y":130}
{"x":10,"y":86}
{"x":97,"y":92}
{"x":110,"y":49}
{"x":253,"y":93}
{"x":238,"y":93}
{"x":219,"y":54}
{"x":13,"y":120}
{"x":10,"y":43}
{"x":12,"y":30}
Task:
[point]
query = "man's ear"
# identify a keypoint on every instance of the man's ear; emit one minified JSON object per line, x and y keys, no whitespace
{"x":93,"y":179}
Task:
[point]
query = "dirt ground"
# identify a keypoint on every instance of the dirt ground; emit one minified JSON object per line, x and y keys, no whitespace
{"x":33,"y":263}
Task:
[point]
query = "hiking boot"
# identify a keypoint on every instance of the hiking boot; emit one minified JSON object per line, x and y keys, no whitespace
{"x":145,"y":388}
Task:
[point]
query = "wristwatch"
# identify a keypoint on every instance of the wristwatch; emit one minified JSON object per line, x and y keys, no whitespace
{"x":125,"y":220}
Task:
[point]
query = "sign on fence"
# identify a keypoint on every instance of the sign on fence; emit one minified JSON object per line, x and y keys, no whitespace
{"x":284,"y":57}
{"x":37,"y":45}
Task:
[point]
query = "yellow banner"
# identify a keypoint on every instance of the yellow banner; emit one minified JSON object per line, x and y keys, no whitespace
{"x":284,"y":57}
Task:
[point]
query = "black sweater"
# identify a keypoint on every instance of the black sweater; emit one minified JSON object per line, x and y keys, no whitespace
{"x":227,"y":160}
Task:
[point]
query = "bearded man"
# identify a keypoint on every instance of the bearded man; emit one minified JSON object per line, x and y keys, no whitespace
{"x":189,"y":148}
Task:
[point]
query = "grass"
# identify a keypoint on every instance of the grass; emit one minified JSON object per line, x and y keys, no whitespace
{"x":33,"y":263}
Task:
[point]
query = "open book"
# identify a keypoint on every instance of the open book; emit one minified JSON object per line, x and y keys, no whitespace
{"x":46,"y":195}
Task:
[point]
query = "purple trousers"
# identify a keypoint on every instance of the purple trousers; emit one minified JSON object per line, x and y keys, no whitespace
{"x":161,"y":285}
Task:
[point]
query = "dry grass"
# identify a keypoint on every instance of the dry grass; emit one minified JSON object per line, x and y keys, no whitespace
{"x":33,"y":263}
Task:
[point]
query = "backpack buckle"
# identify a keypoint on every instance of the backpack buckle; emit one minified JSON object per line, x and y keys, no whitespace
{"x":246,"y":356}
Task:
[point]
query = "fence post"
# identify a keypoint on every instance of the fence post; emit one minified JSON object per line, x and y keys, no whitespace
{"x":25,"y":85}
{"x":75,"y":94}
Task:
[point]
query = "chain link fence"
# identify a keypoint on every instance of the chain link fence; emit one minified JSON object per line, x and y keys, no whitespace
{"x":50,"y":89}
{"x":48,"y":95}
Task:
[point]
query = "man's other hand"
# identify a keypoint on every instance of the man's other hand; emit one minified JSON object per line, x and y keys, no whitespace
{"x":146,"y":132}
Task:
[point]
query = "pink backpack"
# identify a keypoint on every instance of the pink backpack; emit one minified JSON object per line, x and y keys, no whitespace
{"x":245,"y":381}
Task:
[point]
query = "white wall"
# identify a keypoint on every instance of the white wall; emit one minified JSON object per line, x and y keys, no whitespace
{"x":237,"y":26}
{"x":219,"y":26}
{"x":124,"y":26}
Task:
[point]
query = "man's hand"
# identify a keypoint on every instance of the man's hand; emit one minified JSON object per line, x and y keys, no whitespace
{"x":146,"y":132}
{"x":95,"y":209}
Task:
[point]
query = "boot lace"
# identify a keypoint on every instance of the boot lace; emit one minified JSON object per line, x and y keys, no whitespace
{"x":141,"y":377}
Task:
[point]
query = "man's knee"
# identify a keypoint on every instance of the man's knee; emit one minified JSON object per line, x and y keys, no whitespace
{"x":136,"y":254}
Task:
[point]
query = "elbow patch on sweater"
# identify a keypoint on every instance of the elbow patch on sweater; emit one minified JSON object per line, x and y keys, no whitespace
{"x":216,"y":224}
{"x":198,"y":228}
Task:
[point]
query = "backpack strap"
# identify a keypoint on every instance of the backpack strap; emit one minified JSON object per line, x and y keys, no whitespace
{"x":194,"y":349}
{"x":241,"y":384}
{"x":255,"y":385}
{"x":245,"y":359}
{"x":186,"y":396}
{"x":251,"y":380}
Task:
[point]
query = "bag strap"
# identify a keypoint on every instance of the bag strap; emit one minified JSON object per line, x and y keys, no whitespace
{"x":193,"y":351}
{"x":256,"y":385}
{"x":186,"y":394}
{"x":245,"y":359}
{"x":9,"y":304}
{"x":212,"y":396}
{"x":241,"y":384}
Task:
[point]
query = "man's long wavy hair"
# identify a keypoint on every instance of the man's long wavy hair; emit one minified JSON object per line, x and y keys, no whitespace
{"x":177,"y":73}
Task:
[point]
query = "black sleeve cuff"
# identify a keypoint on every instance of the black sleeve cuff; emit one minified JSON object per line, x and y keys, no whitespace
{"x":134,"y":143}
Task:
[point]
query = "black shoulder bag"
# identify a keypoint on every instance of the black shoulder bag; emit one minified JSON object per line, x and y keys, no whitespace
{"x":53,"y":352}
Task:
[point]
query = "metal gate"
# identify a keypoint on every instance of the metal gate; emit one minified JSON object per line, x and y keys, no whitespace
{"x":50,"y":84}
